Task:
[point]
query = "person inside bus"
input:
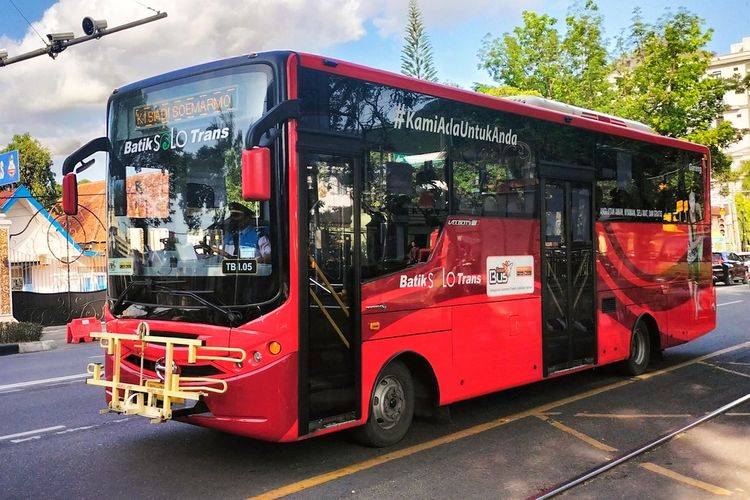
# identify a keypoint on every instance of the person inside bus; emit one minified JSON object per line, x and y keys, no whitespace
{"x":242,"y":239}
{"x":413,"y":252}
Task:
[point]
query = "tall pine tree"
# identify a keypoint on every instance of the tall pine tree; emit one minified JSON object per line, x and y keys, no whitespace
{"x":416,"y":54}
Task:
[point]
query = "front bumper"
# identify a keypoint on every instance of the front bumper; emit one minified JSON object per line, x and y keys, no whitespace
{"x":154,"y":398}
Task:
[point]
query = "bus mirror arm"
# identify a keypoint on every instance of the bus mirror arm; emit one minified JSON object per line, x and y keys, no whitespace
{"x":79,"y":158}
{"x":256,"y":156}
{"x":280,"y":113}
{"x":269,"y":137}
{"x":79,"y":155}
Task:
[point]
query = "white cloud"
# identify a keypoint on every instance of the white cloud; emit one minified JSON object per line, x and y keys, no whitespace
{"x":62,"y":102}
{"x":391,"y":17}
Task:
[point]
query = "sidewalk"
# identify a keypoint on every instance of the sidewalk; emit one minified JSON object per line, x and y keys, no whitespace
{"x":52,"y":336}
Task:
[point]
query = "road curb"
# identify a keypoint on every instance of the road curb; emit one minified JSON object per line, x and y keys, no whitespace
{"x":23,"y":347}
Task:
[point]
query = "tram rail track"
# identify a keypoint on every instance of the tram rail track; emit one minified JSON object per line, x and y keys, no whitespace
{"x":635,"y":452}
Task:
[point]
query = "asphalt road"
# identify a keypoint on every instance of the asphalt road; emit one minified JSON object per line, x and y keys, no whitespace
{"x":513,"y":444}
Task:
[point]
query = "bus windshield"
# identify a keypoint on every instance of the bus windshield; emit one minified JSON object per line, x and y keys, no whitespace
{"x":182,"y":243}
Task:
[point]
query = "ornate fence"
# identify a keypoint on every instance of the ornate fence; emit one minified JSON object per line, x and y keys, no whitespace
{"x":57,"y":308}
{"x":58,"y":264}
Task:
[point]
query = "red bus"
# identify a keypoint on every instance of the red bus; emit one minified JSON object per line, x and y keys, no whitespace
{"x":299,"y":245}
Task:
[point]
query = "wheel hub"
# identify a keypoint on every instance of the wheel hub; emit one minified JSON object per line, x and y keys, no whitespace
{"x":388,"y":402}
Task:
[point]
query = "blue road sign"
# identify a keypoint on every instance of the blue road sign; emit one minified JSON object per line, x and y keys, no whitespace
{"x":9,"y":168}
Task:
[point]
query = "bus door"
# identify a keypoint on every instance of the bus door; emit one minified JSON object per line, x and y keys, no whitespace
{"x":568,"y":296}
{"x":329,"y":337}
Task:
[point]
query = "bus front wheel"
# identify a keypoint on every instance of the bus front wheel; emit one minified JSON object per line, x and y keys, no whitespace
{"x":640,"y":350}
{"x":391,"y":407}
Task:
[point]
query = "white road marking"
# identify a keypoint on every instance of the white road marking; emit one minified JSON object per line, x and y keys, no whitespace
{"x":25,"y":439}
{"x":43,"y":381}
{"x":729,"y":303}
{"x":74,"y":429}
{"x":29,"y":433}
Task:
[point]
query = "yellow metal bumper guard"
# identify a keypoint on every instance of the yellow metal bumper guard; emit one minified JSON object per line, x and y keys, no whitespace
{"x":154,"y":398}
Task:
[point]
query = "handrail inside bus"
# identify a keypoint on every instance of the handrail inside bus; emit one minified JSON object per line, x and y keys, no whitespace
{"x":328,"y":288}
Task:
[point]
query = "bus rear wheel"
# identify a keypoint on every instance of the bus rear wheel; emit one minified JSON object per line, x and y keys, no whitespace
{"x":640,"y":350}
{"x":391,"y":407}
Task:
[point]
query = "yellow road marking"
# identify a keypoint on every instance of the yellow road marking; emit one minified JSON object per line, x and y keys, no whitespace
{"x":411,"y":450}
{"x":716,"y":490}
{"x":631,"y":415}
{"x":314,"y":481}
{"x":726,"y":370}
{"x":580,"y":435}
{"x":733,"y":348}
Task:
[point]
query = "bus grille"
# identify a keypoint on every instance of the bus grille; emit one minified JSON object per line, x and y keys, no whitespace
{"x":186,"y":370}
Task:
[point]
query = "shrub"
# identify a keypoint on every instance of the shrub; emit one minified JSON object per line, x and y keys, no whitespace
{"x":20,"y":332}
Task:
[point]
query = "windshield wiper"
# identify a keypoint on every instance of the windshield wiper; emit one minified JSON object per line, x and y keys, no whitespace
{"x":120,"y":300}
{"x":232,"y":316}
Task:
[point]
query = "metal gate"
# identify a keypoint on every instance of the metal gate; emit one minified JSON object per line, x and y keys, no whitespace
{"x":58,"y":263}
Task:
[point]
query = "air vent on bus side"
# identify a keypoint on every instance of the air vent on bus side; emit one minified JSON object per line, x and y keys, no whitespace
{"x":609,"y":305}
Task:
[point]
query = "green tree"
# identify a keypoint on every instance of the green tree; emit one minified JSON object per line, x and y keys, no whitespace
{"x":416,"y":54}
{"x":588,"y":68}
{"x":571,"y":68}
{"x":502,"y":90}
{"x":661,"y":81}
{"x":742,"y":205}
{"x":528,"y":59}
{"x":35,"y":168}
{"x":741,"y":177}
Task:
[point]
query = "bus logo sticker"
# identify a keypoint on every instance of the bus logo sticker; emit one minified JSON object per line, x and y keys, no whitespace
{"x":463,"y":222}
{"x":510,"y":274}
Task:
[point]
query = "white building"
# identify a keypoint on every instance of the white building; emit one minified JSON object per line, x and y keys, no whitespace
{"x":734,"y":64}
{"x":40,"y":250}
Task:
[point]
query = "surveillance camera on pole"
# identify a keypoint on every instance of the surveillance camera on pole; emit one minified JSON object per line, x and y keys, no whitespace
{"x":93,"y":27}
{"x":61,"y":37}
{"x":58,"y":42}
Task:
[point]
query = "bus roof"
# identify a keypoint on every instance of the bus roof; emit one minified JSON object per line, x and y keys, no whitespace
{"x":562,"y":107}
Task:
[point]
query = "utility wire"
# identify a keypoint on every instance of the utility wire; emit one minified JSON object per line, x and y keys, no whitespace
{"x":27,"y":21}
{"x":146,"y":6}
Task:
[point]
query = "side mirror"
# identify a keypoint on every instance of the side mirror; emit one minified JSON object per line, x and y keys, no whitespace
{"x":76,"y":163}
{"x":70,"y":194}
{"x":256,"y":174}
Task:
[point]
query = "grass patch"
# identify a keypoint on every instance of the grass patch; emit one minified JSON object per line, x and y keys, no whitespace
{"x":10,"y":333}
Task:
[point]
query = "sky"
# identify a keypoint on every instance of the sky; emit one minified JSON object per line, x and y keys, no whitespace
{"x":62,"y":102}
